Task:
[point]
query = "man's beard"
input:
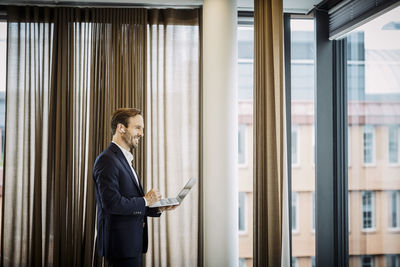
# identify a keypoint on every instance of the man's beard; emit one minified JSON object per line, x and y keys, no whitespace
{"x":129,"y":141}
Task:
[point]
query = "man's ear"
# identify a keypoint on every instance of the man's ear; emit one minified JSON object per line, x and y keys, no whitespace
{"x":120,"y":126}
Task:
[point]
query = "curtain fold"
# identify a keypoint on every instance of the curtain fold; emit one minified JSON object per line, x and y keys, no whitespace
{"x":119,"y":77}
{"x":26,"y":191}
{"x":173,"y":132}
{"x":68,"y":70}
{"x":270,"y":170}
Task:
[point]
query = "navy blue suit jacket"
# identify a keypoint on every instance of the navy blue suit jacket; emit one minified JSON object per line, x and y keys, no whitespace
{"x":121,"y":210}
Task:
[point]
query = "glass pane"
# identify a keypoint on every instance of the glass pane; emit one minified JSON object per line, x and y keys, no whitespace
{"x":302,"y":141}
{"x":242,"y":212}
{"x":245,"y":33}
{"x":373,"y":93}
{"x":3,"y":66}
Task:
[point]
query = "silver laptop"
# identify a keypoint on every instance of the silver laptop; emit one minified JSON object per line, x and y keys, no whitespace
{"x":173,"y":201}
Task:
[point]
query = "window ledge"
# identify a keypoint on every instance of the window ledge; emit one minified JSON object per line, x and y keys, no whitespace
{"x":394,"y":165}
{"x":243,"y":233}
{"x":394,"y":230}
{"x":369,"y":165}
{"x":369,"y":230}
{"x":243,"y":166}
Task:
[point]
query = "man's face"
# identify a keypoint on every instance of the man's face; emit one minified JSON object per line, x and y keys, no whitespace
{"x":134,"y":131}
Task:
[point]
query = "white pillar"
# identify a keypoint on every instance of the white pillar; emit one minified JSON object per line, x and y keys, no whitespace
{"x":220,"y":139}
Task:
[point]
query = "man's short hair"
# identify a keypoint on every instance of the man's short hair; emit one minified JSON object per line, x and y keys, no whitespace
{"x":122,"y":116}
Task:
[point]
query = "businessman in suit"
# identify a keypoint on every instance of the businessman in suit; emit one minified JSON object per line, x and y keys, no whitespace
{"x":122,"y":206}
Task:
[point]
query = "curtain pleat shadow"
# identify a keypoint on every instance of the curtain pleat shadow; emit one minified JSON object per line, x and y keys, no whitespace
{"x":269,"y":133}
{"x":68,"y":70}
{"x":173,"y":133}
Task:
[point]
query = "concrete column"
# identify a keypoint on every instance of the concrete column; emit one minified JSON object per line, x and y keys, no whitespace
{"x":220,"y":139}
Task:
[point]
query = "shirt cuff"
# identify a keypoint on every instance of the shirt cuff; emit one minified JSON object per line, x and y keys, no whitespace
{"x":145,"y":202}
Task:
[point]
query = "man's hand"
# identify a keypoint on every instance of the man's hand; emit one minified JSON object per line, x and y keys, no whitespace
{"x":152,"y":196}
{"x":167,"y":208}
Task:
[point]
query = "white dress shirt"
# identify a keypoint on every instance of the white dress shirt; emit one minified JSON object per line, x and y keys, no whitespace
{"x":129,"y":157}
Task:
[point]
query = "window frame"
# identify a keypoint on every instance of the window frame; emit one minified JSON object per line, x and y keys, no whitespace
{"x":369,"y":128}
{"x":297,"y":229}
{"x":368,"y":256}
{"x":295,"y":262}
{"x":390,"y":209}
{"x":373,"y":223}
{"x":296,"y":129}
{"x":245,"y":163}
{"x":313,"y":212}
{"x":397,"y":163}
{"x":245,"y":223}
{"x":391,"y":257}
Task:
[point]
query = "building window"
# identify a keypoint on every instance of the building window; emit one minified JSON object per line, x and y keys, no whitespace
{"x":367,"y":261}
{"x":369,"y":144}
{"x":393,"y":145}
{"x":295,"y":212}
{"x":392,"y":261}
{"x":295,"y":145}
{"x":313,"y":210}
{"x":394,"y":199}
{"x":313,"y":143}
{"x":312,"y":261}
{"x":294,"y":262}
{"x":242,"y":211}
{"x":348,"y":146}
{"x":242,"y":144}
{"x":242,"y":262}
{"x":367,"y":209}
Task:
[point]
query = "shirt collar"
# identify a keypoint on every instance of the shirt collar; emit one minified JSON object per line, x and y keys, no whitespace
{"x":128,"y":155}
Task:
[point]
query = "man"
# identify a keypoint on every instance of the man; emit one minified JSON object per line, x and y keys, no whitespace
{"x":121,"y":203}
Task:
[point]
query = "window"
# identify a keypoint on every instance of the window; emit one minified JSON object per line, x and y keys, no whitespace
{"x":367,"y":261}
{"x":295,"y":145}
{"x":302,"y":121}
{"x":373,"y":115}
{"x":242,"y":262}
{"x":242,"y":144}
{"x":393,"y":145}
{"x":348,"y":146}
{"x":369,"y":144}
{"x":312,"y":261}
{"x":242,"y":211}
{"x":394,"y":216}
{"x":313,"y":143}
{"x":392,"y":261}
{"x":245,"y":44}
{"x":294,"y":262}
{"x":3,"y":71}
{"x":367,"y":210}
{"x":245,"y":62}
{"x":313,"y":210}
{"x":295,"y":212}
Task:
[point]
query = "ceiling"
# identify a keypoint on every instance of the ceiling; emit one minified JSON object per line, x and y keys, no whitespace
{"x":292,"y":6}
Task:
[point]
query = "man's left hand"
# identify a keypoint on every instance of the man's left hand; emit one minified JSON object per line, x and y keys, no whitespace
{"x":167,"y":208}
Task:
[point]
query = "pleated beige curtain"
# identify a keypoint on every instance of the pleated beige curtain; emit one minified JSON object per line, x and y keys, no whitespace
{"x":119,"y":77}
{"x":173,"y":133}
{"x":68,"y":69}
{"x":27,"y":216}
{"x":270,"y":162}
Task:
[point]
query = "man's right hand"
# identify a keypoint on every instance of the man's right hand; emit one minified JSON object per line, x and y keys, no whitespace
{"x":152,"y":196}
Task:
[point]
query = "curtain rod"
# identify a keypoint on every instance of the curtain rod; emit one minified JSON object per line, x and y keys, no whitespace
{"x":92,"y":4}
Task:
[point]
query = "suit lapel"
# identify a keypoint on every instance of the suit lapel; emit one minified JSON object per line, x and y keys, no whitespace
{"x":118,"y":153}
{"x":138,"y":178}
